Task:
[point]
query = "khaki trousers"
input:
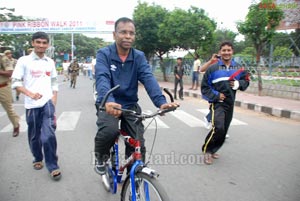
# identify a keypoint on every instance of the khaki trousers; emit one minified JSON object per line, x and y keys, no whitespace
{"x":6,"y":100}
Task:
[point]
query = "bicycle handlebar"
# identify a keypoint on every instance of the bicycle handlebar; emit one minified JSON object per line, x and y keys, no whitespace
{"x":132,"y":112}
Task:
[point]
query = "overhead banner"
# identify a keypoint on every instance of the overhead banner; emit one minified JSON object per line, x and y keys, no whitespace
{"x":65,"y":26}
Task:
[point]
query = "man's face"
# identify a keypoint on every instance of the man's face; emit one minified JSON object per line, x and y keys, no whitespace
{"x":124,"y":35}
{"x":40,"y":45}
{"x":179,"y":61}
{"x":226,"y":53}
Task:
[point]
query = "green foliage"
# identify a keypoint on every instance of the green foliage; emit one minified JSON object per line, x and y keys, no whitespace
{"x":191,"y":29}
{"x":282,"y":53}
{"x":148,"y":19}
{"x":260,"y":25}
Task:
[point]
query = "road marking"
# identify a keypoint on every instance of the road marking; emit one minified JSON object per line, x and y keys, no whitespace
{"x":187,"y":118}
{"x":152,"y":125}
{"x":67,"y":121}
{"x":234,"y":121}
{"x":2,"y":114}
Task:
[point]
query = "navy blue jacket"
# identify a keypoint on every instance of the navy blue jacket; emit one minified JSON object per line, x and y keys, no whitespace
{"x":216,"y":80}
{"x":111,"y":71}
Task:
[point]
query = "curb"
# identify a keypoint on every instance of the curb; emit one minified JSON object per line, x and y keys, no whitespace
{"x":278,"y":112}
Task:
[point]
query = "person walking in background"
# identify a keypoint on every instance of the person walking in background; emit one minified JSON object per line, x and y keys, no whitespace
{"x":196,"y":71}
{"x":74,"y":70}
{"x":65,"y":66}
{"x":178,"y":73}
{"x":89,"y":67}
{"x":219,"y":85}
{"x":35,"y":76}
{"x":6,"y":97}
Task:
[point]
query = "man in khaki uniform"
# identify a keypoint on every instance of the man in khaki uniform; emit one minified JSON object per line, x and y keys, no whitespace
{"x":6,"y":98}
{"x":74,"y":69}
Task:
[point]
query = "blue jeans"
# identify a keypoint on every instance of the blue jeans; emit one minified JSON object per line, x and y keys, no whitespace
{"x":195,"y":78}
{"x":41,"y":134}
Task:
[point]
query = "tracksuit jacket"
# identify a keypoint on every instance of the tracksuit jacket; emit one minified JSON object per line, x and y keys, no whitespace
{"x":111,"y":72}
{"x":216,"y":81}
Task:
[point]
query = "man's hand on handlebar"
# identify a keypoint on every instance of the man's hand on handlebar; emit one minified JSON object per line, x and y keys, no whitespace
{"x":110,"y":109}
{"x":169,"y":105}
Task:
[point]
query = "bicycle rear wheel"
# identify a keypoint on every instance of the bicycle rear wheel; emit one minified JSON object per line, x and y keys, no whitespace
{"x":147,"y":188}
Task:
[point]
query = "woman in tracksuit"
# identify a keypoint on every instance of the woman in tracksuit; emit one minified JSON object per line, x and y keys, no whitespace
{"x":219,"y":85}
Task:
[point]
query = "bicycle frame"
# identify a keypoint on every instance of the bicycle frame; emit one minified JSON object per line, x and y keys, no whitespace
{"x":135,"y":159}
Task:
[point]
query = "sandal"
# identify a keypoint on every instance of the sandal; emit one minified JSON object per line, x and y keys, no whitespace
{"x":38,"y":165}
{"x":55,"y":175}
{"x":215,"y":156}
{"x":208,"y":159}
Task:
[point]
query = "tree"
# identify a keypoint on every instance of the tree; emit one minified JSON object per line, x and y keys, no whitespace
{"x":18,"y":42}
{"x":189,"y":30}
{"x":259,"y":27}
{"x":148,"y":19}
{"x":219,"y":36}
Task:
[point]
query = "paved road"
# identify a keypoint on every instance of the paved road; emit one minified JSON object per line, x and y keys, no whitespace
{"x":258,"y":162}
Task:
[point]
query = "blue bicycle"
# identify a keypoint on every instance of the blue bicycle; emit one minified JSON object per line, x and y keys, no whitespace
{"x":141,"y":183}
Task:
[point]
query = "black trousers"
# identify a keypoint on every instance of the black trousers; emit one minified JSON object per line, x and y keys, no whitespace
{"x":108,"y":131}
{"x":180,"y":82}
{"x":222,"y":114}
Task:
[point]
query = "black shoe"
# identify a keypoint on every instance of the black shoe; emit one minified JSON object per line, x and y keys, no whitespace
{"x":100,"y":169}
{"x":181,"y":98}
{"x":175,"y":98}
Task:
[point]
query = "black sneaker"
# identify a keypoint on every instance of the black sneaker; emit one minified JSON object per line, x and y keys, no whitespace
{"x":100,"y":169}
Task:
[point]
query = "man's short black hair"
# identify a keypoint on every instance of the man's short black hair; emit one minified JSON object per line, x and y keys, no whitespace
{"x":41,"y":35}
{"x":179,"y":58}
{"x":228,"y":43}
{"x":124,"y":20}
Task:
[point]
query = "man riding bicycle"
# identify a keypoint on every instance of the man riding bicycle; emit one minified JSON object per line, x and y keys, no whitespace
{"x":120,"y":64}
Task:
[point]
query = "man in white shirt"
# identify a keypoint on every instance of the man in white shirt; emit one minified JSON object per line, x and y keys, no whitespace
{"x":35,"y":76}
{"x":196,"y":71}
{"x":66,"y":65}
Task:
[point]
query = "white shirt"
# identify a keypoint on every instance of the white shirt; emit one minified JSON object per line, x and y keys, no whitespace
{"x":66,"y":66}
{"x":197,"y":64}
{"x":39,"y":76}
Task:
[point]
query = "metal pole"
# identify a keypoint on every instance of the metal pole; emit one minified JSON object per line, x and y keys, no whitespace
{"x":72,"y":45}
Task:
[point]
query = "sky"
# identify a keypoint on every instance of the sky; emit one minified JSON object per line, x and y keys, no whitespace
{"x":225,"y":13}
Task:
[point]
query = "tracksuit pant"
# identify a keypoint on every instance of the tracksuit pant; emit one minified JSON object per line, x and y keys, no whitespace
{"x":108,"y":131}
{"x":41,"y":134}
{"x":221,"y":118}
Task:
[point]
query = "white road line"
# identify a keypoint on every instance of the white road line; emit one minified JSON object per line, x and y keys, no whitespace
{"x":160,"y":123}
{"x":233,"y":122}
{"x":188,"y":119}
{"x":67,"y":121}
{"x":23,"y":126}
{"x":2,"y":114}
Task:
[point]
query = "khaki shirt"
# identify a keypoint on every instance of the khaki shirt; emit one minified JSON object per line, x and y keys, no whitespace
{"x":74,"y":67}
{"x":6,"y":65}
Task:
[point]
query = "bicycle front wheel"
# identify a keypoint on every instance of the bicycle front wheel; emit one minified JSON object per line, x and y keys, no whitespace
{"x":147,"y":188}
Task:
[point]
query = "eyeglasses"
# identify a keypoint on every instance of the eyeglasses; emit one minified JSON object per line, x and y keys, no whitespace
{"x":125,"y":33}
